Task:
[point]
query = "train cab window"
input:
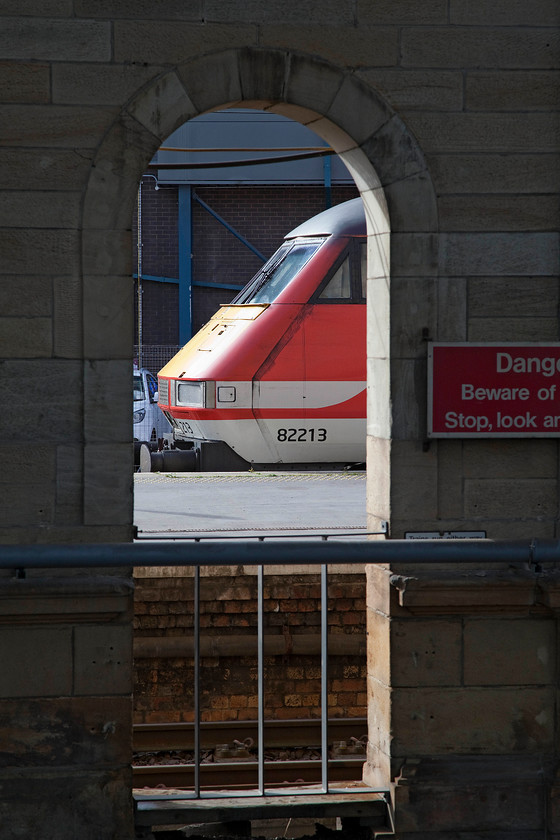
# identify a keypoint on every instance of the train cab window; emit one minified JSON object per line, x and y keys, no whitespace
{"x":346,"y":281}
{"x":339,"y":286}
{"x":363,"y":268}
{"x":278,"y":272}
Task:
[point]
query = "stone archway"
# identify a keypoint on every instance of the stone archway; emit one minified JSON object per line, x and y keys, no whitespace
{"x":390,"y":173}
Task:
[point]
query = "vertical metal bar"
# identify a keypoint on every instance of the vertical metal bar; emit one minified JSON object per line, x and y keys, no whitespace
{"x":327,"y":179}
{"x":324,"y":682}
{"x":260,"y":668}
{"x":139,"y":290}
{"x":184,"y":233}
{"x":197,"y":681}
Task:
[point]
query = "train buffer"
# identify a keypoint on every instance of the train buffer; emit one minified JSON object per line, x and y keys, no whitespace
{"x":354,"y":804}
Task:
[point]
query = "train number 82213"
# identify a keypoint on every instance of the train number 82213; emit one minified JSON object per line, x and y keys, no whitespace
{"x":302,"y":435}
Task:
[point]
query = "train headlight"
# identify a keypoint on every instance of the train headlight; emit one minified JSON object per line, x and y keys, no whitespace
{"x":195,"y":394}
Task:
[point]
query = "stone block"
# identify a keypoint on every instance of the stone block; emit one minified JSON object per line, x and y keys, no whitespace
{"x":171,"y":42}
{"x":66,"y":126}
{"x":533,"y":90}
{"x":379,"y":661}
{"x":509,"y":459}
{"x":379,"y":411}
{"x":103,"y":660}
{"x":360,"y":168}
{"x":409,"y":402}
{"x":34,"y":251}
{"x":403,"y":12}
{"x":40,"y":209}
{"x":511,"y":499}
{"x":107,"y":252}
{"x":339,"y":12}
{"x":56,"y":386}
{"x":347,"y":46}
{"x":162,"y":106}
{"x":450,"y":478}
{"x":107,"y":397}
{"x":502,"y":329}
{"x":49,"y":39}
{"x":68,"y":317}
{"x":360,"y":110}
{"x":452,"y":309}
{"x":412,"y":204}
{"x":142,"y":9}
{"x":51,"y":8}
{"x":479,"y":47}
{"x":25,"y":297}
{"x":24,"y":673}
{"x":501,"y":254}
{"x":262,"y":73}
{"x":112,"y":188}
{"x":99,"y":84}
{"x":414,"y":254}
{"x":68,"y":802}
{"x":414,"y":480}
{"x":51,"y":169}
{"x":500,"y":213}
{"x":394,"y":152}
{"x":509,"y":652}
{"x":43,"y":726}
{"x":534,"y":297}
{"x":69,"y":478}
{"x":108,"y":471}
{"x":25,"y":338}
{"x":19,"y":461}
{"x":426,"y":652}
{"x":378,"y":305}
{"x":430,"y":90}
{"x":24,"y":82}
{"x":503,"y":13}
{"x":414,"y":309}
{"x":108,"y":321}
{"x":26,"y":505}
{"x":484,"y":132}
{"x":379,"y":708}
{"x":463,"y":721}
{"x":491,"y":173}
{"x":378,"y":491}
{"x":211,"y":80}
{"x":312,"y":84}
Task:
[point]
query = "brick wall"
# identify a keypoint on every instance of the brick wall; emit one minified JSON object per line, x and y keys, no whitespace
{"x":164,"y":611}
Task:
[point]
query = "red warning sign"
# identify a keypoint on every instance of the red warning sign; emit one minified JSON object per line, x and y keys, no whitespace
{"x":493,"y":390}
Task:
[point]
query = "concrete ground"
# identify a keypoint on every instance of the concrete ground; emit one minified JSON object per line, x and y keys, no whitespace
{"x":237,"y":504}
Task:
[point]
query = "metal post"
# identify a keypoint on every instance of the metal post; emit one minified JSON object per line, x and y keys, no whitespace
{"x":197,"y":681}
{"x":139,"y":289}
{"x":324,"y":681}
{"x":260,"y":669}
{"x":184,"y":233}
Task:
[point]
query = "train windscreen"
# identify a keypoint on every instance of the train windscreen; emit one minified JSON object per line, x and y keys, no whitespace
{"x":278,"y":272}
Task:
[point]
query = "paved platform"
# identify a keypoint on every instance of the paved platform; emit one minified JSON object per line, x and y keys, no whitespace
{"x":219,"y":505}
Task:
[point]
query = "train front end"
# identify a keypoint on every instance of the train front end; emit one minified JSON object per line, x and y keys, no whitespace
{"x":278,"y":376}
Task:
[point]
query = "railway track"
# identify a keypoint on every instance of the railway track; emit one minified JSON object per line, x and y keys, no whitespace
{"x":164,"y":753}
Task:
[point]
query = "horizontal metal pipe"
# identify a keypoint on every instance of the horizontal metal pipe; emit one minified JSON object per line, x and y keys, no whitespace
{"x":283,"y":553}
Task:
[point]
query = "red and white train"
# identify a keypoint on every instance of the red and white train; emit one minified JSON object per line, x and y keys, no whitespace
{"x":278,"y":376}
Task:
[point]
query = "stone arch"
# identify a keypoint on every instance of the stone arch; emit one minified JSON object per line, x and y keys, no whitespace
{"x":390,"y":173}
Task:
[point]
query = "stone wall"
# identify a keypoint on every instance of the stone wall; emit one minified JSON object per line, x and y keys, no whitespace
{"x":444,"y":112}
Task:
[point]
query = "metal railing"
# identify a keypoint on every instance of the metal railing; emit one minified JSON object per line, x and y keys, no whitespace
{"x":531,"y":553}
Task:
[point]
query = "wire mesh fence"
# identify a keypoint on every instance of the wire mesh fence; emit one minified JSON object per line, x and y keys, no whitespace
{"x":154,"y":356}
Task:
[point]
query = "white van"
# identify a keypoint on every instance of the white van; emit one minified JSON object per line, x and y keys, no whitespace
{"x":149,"y":421}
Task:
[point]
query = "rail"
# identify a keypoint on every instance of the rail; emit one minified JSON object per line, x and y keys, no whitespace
{"x":261,"y":554}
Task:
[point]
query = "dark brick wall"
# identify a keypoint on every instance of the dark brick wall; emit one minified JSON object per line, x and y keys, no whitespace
{"x":164,"y":609}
